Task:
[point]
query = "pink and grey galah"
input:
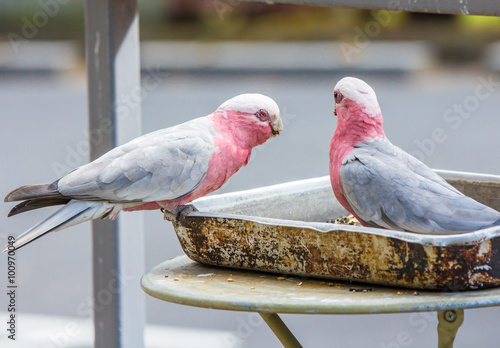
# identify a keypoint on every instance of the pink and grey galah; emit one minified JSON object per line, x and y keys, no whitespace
{"x":385,"y":187}
{"x":165,"y":169}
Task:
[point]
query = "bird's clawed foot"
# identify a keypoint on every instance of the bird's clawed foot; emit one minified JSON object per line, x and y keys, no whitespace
{"x":178,"y":213}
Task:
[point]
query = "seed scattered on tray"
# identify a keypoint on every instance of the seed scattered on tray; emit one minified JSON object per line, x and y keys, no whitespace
{"x":330,"y":284}
{"x":346,"y":220}
{"x":176,"y":279}
{"x":252,"y":288}
{"x":400,"y":293}
{"x":166,"y":275}
{"x":299,"y":284}
{"x":230,"y":279}
{"x":360,"y":289}
{"x":281,"y":278}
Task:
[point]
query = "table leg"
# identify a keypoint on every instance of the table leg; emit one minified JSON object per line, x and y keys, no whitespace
{"x":280,"y":330}
{"x":449,"y":322}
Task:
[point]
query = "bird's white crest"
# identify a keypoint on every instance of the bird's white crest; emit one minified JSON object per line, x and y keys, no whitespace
{"x":251,"y":103}
{"x":360,"y":92}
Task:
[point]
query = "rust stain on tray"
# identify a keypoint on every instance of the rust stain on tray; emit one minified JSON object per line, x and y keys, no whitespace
{"x":338,"y":254}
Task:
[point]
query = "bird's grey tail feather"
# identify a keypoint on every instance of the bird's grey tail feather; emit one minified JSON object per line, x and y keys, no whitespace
{"x":33,"y":192}
{"x":32,"y":204}
{"x":71,"y":214}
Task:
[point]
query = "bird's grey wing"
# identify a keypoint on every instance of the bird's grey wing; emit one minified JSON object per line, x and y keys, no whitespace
{"x":388,"y":188}
{"x":163,"y":165}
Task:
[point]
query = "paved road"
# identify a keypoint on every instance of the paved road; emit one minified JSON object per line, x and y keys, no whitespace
{"x":44,"y":132}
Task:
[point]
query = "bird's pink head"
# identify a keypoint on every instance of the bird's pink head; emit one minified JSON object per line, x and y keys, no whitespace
{"x":357,"y":108}
{"x":250,"y":118}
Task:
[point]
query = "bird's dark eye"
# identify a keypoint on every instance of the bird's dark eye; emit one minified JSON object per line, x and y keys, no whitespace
{"x":338,"y":96}
{"x":262,"y":114}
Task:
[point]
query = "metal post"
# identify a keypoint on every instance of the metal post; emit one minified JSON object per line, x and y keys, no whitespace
{"x":113,"y":73}
{"x":449,"y":323}
{"x":280,"y":330}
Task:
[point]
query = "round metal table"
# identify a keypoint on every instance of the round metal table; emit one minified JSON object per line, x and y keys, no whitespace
{"x":183,"y":281}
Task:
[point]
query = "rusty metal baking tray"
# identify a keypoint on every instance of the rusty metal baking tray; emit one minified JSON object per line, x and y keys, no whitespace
{"x":283,"y":229}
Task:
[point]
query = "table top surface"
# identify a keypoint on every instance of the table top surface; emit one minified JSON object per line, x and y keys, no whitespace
{"x":183,"y":281}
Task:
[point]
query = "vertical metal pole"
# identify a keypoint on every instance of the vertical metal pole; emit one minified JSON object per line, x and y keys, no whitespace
{"x":113,"y":73}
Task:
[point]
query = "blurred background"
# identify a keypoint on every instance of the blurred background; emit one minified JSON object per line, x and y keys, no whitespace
{"x":437,"y":81}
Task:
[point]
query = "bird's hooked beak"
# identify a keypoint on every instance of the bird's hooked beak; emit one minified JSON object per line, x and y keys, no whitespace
{"x":276,"y":125}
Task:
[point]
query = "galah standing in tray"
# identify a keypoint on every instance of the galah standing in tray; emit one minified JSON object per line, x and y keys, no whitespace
{"x":161,"y":170}
{"x":383,"y":186}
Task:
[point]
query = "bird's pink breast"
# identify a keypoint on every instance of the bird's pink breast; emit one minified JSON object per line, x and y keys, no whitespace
{"x":353,"y":127}
{"x":338,"y":151}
